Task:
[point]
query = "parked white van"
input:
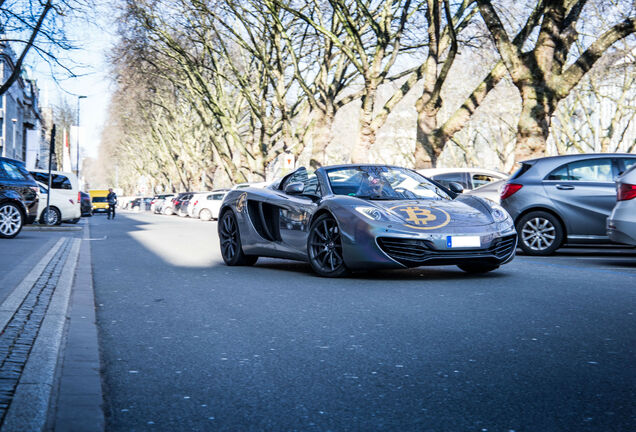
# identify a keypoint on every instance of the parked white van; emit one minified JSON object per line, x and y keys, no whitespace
{"x":65,"y":203}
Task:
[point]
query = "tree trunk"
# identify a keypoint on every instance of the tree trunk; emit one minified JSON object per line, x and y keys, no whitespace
{"x":321,"y":137}
{"x":366,"y":136}
{"x":537,"y":107}
{"x":427,"y":145}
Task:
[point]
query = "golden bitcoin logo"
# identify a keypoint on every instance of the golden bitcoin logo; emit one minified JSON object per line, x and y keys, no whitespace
{"x":423,"y":218}
{"x":418,"y":215}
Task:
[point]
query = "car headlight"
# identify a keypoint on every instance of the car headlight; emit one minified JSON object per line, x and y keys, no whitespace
{"x":499,"y":214}
{"x":371,"y":212}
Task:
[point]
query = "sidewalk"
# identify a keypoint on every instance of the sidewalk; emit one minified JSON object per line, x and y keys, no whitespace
{"x":48,"y":345}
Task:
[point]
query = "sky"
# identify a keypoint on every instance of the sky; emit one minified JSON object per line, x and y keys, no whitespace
{"x":94,"y":35}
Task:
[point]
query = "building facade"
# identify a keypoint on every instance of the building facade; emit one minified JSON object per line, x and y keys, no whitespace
{"x":21,"y":130}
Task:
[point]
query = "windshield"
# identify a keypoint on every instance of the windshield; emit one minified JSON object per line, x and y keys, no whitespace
{"x":383,"y":183}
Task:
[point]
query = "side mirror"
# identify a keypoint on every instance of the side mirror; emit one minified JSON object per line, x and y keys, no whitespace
{"x":456,"y":187}
{"x":295,"y":188}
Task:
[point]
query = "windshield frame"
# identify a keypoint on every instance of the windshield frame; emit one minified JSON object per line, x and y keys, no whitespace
{"x":440,"y":192}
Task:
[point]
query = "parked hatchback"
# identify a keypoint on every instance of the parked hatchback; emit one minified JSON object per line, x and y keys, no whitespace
{"x":621,"y":225}
{"x":563,"y":199}
{"x":19,"y":197}
{"x":206,"y":206}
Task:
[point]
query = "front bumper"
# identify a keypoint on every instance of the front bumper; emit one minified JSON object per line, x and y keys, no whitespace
{"x":383,"y":246}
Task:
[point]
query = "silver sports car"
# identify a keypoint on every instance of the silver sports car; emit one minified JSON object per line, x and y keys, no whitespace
{"x":354,"y":217}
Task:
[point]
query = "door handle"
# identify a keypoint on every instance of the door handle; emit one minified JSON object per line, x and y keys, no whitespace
{"x":564,"y":187}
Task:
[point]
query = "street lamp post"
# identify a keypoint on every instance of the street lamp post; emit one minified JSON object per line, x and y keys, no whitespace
{"x":77,"y":170}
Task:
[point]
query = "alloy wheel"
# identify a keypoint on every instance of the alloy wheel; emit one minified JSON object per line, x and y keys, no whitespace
{"x":538,"y":234}
{"x":229,"y":236}
{"x":51,"y":216}
{"x":325,"y":247}
{"x":10,"y":220}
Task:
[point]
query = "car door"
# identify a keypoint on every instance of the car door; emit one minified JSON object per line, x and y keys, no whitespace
{"x":584,"y":194}
{"x":296,"y":210}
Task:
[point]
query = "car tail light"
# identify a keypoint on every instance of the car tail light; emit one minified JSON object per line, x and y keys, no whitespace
{"x":79,"y":197}
{"x":196,"y":202}
{"x":626,"y":192}
{"x":509,"y":189}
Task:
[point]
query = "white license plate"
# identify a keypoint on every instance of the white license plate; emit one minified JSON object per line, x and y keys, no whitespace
{"x":463,"y":241}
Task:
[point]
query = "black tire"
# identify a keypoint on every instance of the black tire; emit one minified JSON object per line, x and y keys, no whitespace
{"x":54,"y":218}
{"x":478,"y":268}
{"x":230,"y":242}
{"x":167,"y":211}
{"x":324,"y":247}
{"x":540,"y":233}
{"x":73,"y":221}
{"x":11,"y":220}
{"x":205,"y":215}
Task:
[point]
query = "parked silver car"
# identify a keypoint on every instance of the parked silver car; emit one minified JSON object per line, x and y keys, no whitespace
{"x":621,"y":225}
{"x":563,"y":199}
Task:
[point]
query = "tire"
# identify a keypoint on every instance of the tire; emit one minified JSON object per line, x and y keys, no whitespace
{"x":324,"y":248}
{"x":540,"y":233}
{"x":167,"y":211}
{"x":54,"y":218}
{"x":478,"y":268}
{"x":230,"y":241}
{"x":11,"y":220}
{"x":205,"y":215}
{"x":73,"y":221}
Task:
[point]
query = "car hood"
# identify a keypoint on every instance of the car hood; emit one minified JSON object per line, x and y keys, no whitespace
{"x":428,"y":214}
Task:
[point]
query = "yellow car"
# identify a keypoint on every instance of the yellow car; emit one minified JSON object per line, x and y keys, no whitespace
{"x":98,"y":197}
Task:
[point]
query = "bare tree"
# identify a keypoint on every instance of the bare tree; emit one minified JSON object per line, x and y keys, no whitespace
{"x":543,"y":75}
{"x":39,"y":27}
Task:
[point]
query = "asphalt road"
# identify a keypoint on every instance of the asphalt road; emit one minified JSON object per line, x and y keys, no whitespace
{"x":542,"y":344}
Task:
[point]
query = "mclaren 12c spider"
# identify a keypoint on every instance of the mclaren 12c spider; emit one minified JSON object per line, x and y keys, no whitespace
{"x":354,"y":217}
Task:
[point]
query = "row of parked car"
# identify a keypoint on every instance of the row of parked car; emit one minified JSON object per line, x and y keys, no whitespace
{"x":24,"y":195}
{"x":199,"y":205}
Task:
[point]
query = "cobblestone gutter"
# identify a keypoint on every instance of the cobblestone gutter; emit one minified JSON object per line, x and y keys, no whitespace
{"x":20,"y":334}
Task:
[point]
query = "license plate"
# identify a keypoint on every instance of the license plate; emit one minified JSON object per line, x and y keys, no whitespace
{"x":463,"y":241}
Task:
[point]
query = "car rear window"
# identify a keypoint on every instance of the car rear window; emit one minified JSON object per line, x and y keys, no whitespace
{"x":521,"y":171}
{"x":99,"y":199}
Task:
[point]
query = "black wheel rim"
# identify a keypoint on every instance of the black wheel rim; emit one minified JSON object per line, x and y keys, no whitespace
{"x":229,"y":237}
{"x":325,"y":247}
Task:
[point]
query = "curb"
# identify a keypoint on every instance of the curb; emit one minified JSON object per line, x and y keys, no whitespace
{"x":28,"y":409}
{"x":78,"y":405}
{"x":51,"y":228}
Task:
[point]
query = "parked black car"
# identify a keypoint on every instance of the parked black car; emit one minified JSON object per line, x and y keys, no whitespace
{"x":181,"y":208}
{"x":86,"y":204}
{"x":173,"y":206}
{"x":141,"y":203}
{"x":19,"y":196}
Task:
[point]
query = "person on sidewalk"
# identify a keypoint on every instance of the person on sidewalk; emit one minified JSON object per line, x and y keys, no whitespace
{"x":112,"y":202}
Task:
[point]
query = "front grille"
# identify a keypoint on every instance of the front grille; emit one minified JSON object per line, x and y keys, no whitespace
{"x":415,"y":252}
